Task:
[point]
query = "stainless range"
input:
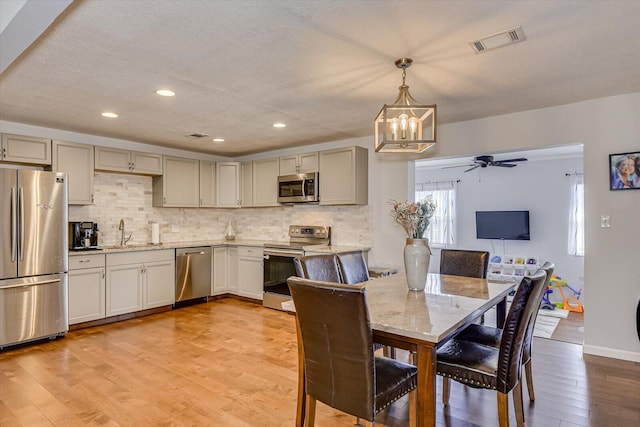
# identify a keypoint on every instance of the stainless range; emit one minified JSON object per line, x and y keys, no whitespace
{"x":278,"y":262}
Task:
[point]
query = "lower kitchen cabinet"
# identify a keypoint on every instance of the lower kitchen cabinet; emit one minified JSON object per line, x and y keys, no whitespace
{"x":86,"y":288}
{"x":250,"y":272}
{"x":139,"y":281}
{"x":225,"y":270}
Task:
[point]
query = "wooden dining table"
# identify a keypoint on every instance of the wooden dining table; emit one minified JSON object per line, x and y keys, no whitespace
{"x":420,"y":321}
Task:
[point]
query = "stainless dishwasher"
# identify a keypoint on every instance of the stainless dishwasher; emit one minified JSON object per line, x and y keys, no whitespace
{"x":193,"y":273}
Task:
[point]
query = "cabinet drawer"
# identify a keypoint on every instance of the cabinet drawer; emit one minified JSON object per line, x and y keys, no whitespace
{"x":141,"y":257}
{"x":77,"y":262}
{"x":250,"y":251}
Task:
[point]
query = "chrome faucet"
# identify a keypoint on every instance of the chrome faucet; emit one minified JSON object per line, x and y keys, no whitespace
{"x":123,"y":240}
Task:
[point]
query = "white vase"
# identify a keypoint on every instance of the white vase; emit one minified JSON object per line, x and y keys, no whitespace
{"x":229,"y":232}
{"x":417,"y":255}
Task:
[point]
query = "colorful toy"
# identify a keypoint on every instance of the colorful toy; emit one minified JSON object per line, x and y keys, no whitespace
{"x":571,"y":303}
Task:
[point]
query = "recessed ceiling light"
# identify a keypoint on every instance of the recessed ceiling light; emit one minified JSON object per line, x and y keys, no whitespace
{"x":165,"y":92}
{"x":279,"y":125}
{"x":218,"y":139}
{"x":109,"y":114}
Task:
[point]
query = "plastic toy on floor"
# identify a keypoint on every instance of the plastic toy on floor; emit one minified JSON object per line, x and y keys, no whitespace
{"x":571,"y":303}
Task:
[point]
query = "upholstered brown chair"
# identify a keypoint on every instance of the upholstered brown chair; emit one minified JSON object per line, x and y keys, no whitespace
{"x":340,"y":368}
{"x":482,"y":366}
{"x":318,"y":267}
{"x":490,"y":336}
{"x":464,"y":263}
{"x":353,"y":267}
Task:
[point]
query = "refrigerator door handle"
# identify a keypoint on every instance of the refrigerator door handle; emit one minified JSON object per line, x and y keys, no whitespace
{"x":21,"y":202}
{"x":26,"y":285}
{"x":14,"y":226}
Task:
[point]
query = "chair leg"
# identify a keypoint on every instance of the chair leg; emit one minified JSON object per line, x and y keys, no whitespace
{"x":310,"y":416}
{"x":445,"y":390}
{"x":413,"y":408}
{"x":503,"y":409}
{"x":517,"y":404}
{"x":529,"y":375}
{"x":389,"y":351}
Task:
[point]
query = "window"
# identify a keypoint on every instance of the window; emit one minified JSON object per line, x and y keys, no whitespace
{"x":576,"y":216}
{"x":441,"y":230}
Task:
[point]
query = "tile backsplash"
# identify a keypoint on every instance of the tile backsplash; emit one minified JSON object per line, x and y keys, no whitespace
{"x":128,"y":197}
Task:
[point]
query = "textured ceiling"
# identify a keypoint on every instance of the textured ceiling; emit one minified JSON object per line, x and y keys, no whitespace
{"x":325,"y":68}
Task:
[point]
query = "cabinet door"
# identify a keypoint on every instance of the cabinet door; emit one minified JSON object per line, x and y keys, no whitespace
{"x":86,"y":295}
{"x":265,"y":182}
{"x":76,"y":160}
{"x":247,"y":184}
{"x":123,"y":289}
{"x":233,"y":269}
{"x":228,"y":184}
{"x":343,"y":176}
{"x":207,"y":184}
{"x":181,"y":183}
{"x":25,"y":149}
{"x":159,"y":286}
{"x":288,"y":165}
{"x":308,"y":162}
{"x":146,"y":163}
{"x":220,"y":271}
{"x":250,"y":273}
{"x":112,"y":159}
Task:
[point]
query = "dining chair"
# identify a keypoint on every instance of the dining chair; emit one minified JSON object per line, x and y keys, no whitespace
{"x":353,"y":267}
{"x":322,"y":267}
{"x":459,"y":262}
{"x":482,"y":366}
{"x":491,"y":336}
{"x":340,"y":367}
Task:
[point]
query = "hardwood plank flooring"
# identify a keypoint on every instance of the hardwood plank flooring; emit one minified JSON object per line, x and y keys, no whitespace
{"x":234,"y":363}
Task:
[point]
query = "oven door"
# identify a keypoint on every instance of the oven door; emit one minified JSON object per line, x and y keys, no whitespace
{"x":278,"y":267}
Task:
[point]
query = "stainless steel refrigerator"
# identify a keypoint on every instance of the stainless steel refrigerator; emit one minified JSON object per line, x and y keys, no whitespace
{"x":33,"y":255}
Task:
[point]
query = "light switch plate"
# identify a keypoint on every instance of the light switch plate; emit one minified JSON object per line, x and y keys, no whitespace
{"x":605,"y":221}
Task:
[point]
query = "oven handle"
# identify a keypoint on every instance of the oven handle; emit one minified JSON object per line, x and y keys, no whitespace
{"x":282,"y":252}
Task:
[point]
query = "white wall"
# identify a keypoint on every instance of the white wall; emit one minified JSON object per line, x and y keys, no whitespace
{"x":539,"y":186}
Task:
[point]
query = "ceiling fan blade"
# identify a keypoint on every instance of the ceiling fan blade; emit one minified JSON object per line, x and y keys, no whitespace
{"x":521,"y":159}
{"x":472,"y":168}
{"x":455,"y":166}
{"x":504,"y":165}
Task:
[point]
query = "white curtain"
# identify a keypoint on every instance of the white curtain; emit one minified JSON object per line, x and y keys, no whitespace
{"x":576,"y":216}
{"x":441,"y":230}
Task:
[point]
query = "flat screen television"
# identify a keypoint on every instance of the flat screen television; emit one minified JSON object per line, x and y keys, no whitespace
{"x":504,"y":225}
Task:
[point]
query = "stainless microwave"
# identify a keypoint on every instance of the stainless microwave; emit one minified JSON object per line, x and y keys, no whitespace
{"x":298,"y":188}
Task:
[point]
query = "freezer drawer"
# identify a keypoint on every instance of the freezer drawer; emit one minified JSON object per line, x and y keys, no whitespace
{"x":33,"y":308}
{"x":193,"y":273}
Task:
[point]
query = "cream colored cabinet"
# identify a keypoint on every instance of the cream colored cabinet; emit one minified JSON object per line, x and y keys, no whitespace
{"x":225,"y":270}
{"x":25,"y":149}
{"x":250,"y":272}
{"x":228,"y":180}
{"x":179,"y":185}
{"x":125,"y":161}
{"x":246,"y":200}
{"x":207,"y":184}
{"x":76,"y":160}
{"x":139,"y":280}
{"x":265,"y":182}
{"x":233,"y":269}
{"x":344,"y":176}
{"x":86,"y":288}
{"x":299,"y":163}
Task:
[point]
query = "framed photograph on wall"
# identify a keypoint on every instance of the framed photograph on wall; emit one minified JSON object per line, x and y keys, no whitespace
{"x":624,"y":171}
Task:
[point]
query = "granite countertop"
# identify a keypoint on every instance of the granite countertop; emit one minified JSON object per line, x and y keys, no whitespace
{"x":213,"y":242}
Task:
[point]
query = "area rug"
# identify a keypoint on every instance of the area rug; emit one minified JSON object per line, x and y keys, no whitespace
{"x":545,"y":326}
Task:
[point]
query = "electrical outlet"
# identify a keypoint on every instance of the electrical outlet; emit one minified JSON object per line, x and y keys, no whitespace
{"x":175,"y":228}
{"x":605,"y":221}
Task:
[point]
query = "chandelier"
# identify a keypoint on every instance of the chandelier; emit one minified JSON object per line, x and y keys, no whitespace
{"x":405,"y":126}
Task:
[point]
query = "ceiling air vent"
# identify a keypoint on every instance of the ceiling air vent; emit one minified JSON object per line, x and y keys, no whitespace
{"x":197,"y":135}
{"x":494,"y":41}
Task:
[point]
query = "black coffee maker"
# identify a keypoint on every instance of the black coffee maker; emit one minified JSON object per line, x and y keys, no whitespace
{"x":83,"y":235}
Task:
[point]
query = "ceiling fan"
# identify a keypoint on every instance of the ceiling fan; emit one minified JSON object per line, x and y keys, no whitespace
{"x":484,"y":161}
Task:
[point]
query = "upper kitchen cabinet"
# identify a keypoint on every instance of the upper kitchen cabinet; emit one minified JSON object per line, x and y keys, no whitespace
{"x":246,"y":184}
{"x":125,"y":161}
{"x":25,"y":149}
{"x":179,"y":184}
{"x":207,"y":184}
{"x":265,"y":182}
{"x":344,"y":176}
{"x":228,"y":184}
{"x":76,"y":160}
{"x":299,"y":163}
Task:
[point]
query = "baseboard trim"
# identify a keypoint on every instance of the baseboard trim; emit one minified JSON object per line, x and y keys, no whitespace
{"x":612,"y":353}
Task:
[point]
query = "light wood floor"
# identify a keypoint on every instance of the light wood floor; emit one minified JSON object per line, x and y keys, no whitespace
{"x":233,"y":363}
